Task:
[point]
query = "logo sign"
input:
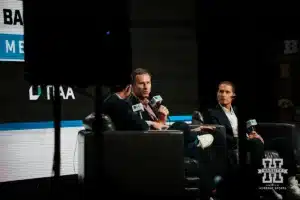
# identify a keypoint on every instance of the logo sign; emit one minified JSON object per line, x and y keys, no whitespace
{"x":284,"y":70}
{"x":11,"y":30}
{"x":35,"y":92}
{"x":290,"y":47}
{"x":272,"y":171}
{"x":285,"y":103}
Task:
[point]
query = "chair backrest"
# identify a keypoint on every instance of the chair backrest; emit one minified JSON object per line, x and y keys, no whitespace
{"x":270,"y":131}
{"x":145,"y":163}
{"x":135,"y":163}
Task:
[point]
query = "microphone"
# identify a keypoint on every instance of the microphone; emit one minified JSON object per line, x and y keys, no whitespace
{"x":250,"y":125}
{"x":156,"y":101}
{"x":138,"y":108}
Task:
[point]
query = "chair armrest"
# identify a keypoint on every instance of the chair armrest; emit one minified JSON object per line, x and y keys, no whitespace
{"x":269,"y":131}
{"x":197,"y":125}
{"x":159,"y":132}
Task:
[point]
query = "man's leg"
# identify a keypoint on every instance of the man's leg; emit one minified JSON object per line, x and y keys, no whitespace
{"x":193,"y":150}
{"x":192,"y":139}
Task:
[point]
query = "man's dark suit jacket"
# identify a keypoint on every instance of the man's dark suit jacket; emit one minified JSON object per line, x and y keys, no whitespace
{"x":134,"y":100}
{"x":218,"y":116}
{"x":121,"y":114}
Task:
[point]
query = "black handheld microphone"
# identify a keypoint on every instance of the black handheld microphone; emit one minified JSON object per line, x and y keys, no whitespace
{"x":138,"y":108}
{"x":250,"y":125}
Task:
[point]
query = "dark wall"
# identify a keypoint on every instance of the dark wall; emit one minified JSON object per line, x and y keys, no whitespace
{"x":16,"y":106}
{"x":164,"y":41}
{"x":245,"y":51}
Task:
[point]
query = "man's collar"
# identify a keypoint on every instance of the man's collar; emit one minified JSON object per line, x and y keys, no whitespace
{"x":226,"y":110}
{"x":144,"y":101}
{"x":118,"y":96}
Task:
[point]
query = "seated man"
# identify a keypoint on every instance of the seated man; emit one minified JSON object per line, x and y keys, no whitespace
{"x":119,"y":109}
{"x":225,"y":114}
{"x":156,"y":116}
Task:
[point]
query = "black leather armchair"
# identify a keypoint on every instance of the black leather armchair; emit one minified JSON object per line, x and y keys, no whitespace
{"x":191,"y":186}
{"x":269,"y":131}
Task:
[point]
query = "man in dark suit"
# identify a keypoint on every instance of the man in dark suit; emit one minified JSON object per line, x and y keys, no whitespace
{"x":141,"y":86}
{"x":119,"y":110}
{"x":158,"y":114}
{"x":155,"y":115}
{"x":118,"y":107}
{"x":226,"y":114}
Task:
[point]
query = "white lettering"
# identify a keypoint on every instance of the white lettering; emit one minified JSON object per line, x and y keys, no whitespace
{"x":272,"y":170}
{"x":34,"y":96}
{"x":61,"y":92}
{"x":21,"y":46}
{"x":10,"y":47}
{"x":50,"y":92}
{"x":65,"y":95}
{"x":70,"y":93}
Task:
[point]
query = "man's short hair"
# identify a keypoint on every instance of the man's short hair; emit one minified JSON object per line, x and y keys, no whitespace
{"x":138,"y":71}
{"x":120,"y":84}
{"x":118,"y":87}
{"x":227,"y":83}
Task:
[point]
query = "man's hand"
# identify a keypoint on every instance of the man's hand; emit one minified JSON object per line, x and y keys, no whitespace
{"x":204,"y":128}
{"x":163,"y":110}
{"x":254,"y":134}
{"x":159,"y":126}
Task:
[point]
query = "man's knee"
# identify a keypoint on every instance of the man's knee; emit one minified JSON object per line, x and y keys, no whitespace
{"x":189,"y":136}
{"x":180,"y":126}
{"x":219,"y":137}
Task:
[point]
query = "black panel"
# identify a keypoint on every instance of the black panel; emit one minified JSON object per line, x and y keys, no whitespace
{"x":17,"y":107}
{"x":243,"y":50}
{"x":164,"y":42}
{"x":78,"y":43}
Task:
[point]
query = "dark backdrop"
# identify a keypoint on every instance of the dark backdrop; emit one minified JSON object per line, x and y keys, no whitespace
{"x":16,"y":106}
{"x":187,"y":62}
{"x":163,"y":41}
{"x":243,"y":50}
